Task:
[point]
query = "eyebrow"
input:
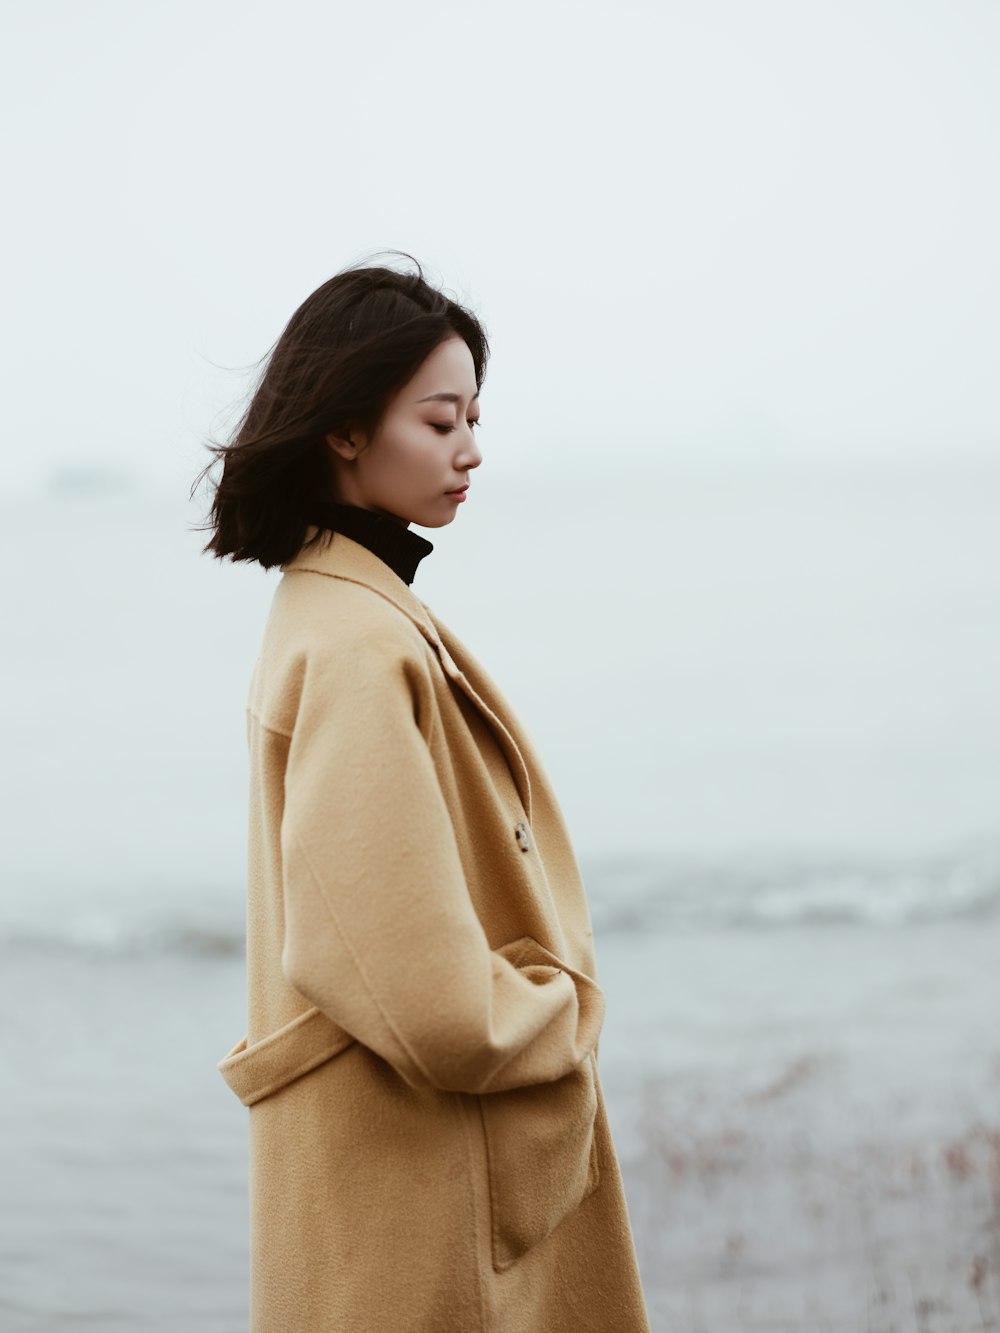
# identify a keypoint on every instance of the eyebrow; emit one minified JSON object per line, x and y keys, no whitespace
{"x":447,"y":397}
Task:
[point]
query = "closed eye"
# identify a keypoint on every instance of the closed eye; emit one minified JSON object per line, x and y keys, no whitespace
{"x":446,"y":429}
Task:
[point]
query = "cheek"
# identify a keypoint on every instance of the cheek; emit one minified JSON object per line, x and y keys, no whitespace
{"x":402,"y":456}
{"x":387,"y":460}
{"x":413,"y":457}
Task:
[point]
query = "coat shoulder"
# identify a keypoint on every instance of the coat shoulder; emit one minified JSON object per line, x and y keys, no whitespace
{"x":328,"y":631}
{"x":318,"y":613}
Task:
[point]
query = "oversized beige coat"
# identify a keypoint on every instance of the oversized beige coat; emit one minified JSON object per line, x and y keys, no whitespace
{"x":430,"y":1150}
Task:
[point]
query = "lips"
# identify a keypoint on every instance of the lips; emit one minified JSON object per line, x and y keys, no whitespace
{"x":459,"y":490}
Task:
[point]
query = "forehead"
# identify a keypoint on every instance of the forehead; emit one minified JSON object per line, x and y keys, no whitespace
{"x":448,"y":374}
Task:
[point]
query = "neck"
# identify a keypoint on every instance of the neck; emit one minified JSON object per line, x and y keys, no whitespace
{"x":388,"y":538}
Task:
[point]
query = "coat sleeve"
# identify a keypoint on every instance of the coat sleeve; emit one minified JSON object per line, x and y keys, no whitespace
{"x":380,"y":930}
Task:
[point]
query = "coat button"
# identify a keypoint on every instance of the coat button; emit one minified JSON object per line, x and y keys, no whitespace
{"x":523,"y":837}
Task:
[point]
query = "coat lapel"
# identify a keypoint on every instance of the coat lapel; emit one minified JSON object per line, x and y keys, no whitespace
{"x":344,"y":558}
{"x":447,"y":646}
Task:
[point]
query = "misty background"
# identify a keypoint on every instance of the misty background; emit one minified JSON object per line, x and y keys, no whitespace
{"x":733,"y":554}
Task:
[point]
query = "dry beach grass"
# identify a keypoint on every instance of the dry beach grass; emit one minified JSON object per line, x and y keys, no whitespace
{"x":747,"y":1218}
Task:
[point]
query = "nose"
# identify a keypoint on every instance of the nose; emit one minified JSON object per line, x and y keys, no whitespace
{"x":469,"y":455}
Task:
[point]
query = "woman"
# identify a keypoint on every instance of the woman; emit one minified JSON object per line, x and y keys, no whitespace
{"x":430,"y":1151}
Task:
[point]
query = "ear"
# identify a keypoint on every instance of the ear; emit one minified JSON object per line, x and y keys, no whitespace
{"x":343,"y":444}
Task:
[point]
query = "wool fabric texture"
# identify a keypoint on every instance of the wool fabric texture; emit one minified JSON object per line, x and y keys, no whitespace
{"x":429,"y":1143}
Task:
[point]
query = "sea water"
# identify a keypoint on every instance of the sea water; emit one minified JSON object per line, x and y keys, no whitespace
{"x":767,"y":703}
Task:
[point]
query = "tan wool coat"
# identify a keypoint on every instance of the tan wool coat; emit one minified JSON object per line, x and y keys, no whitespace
{"x":430,"y":1150}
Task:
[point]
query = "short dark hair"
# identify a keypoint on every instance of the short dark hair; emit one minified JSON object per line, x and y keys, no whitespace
{"x":346,"y":351}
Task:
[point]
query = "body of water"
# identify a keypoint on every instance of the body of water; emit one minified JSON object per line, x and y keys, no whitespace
{"x":768,"y":704}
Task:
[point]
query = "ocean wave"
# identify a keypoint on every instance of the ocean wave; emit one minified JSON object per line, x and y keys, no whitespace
{"x":625,"y":896}
{"x":108,"y":936}
{"x":767,"y":894}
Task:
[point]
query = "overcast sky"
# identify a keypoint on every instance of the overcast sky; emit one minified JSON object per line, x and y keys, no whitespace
{"x":714,"y":229}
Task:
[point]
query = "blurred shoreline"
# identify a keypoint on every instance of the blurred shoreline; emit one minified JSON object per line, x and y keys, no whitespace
{"x":808,"y":1122}
{"x":787,"y":822}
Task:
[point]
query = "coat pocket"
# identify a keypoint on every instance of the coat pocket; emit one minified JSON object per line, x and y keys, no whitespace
{"x":541,"y":1152}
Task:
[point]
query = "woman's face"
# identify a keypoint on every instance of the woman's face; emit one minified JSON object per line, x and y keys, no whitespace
{"x":416,"y":465}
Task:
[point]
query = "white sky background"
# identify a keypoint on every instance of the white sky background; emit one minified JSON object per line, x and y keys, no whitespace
{"x":712,"y":229}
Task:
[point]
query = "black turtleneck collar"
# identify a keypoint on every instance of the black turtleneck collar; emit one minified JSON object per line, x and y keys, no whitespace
{"x":401,"y":549}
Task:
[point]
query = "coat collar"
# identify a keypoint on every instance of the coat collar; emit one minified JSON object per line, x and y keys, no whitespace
{"x":340,"y":557}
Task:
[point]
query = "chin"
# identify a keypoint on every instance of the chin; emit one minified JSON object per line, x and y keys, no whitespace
{"x":434,"y":522}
